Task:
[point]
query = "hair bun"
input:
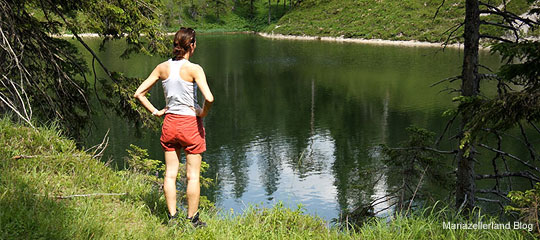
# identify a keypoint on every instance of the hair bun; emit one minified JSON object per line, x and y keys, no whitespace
{"x":182,"y":42}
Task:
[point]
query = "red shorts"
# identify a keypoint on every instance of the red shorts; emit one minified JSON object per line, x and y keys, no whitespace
{"x":181,"y":131}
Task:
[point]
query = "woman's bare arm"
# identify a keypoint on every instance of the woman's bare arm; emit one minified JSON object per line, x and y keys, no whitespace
{"x":200,"y":79}
{"x":143,"y":89}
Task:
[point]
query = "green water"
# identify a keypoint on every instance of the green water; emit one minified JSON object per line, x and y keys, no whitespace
{"x":298,"y":121}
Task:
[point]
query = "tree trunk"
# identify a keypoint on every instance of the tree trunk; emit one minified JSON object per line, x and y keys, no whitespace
{"x":252,"y":14}
{"x":217,"y":10}
{"x":269,"y":10}
{"x":465,"y":192}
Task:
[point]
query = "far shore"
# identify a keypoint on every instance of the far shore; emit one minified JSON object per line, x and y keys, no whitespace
{"x":410,"y":43}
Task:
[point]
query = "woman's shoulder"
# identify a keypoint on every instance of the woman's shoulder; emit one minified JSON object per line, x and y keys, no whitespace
{"x":192,"y":66}
{"x":163,"y":64}
{"x":162,"y":70}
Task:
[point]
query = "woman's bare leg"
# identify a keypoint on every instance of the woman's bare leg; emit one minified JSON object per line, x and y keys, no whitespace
{"x":193,"y":170}
{"x":172,"y":162}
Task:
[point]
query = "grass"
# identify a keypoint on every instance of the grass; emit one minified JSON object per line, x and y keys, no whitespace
{"x":53,"y":166}
{"x":382,"y":19}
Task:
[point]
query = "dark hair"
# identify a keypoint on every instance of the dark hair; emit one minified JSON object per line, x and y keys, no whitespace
{"x":182,"y":42}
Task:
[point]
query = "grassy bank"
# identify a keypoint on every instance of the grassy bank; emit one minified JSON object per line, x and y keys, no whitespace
{"x":381,"y":19}
{"x":41,"y":171}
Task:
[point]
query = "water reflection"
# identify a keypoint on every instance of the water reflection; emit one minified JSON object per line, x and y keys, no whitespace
{"x":298,"y":121}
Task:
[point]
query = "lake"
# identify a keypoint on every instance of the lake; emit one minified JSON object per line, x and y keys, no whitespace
{"x":297,"y":121}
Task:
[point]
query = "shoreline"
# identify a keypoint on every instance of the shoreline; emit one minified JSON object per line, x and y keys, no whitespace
{"x":408,"y":43}
{"x":380,"y":42}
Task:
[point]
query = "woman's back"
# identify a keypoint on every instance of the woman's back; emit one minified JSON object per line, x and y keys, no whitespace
{"x":180,"y":93}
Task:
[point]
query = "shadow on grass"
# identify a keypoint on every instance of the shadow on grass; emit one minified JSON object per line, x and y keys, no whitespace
{"x":27,"y":214}
{"x":156,"y":204}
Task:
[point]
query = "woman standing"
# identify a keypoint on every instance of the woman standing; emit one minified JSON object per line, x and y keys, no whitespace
{"x":182,"y":126}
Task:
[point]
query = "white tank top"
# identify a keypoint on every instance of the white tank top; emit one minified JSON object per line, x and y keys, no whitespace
{"x":180,"y":95}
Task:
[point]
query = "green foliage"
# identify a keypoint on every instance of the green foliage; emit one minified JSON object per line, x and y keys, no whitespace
{"x":522,"y":63}
{"x":413,"y":156}
{"x":48,"y":74}
{"x":220,"y":15}
{"x":119,"y":98}
{"x":518,"y":98}
{"x":527,"y":204}
{"x":139,"y":162}
{"x":125,"y":19}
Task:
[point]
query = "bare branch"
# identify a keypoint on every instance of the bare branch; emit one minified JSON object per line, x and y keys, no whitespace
{"x":503,"y":195}
{"x":492,"y":191}
{"x":450,"y":90}
{"x":456,"y":27}
{"x":494,"y":160}
{"x":534,"y":126}
{"x":19,"y":103}
{"x":448,"y":124}
{"x":84,"y":43}
{"x":497,"y":24}
{"x":495,"y":38}
{"x":488,"y":200}
{"x":532,"y":152}
{"x":100,"y":148}
{"x":507,"y":15}
{"x":487,"y":68}
{"x":487,"y":76}
{"x":87,"y":195}
{"x":510,"y":186}
{"x":450,"y":79}
{"x":438,"y":9}
{"x":523,"y":174}
{"x":381,"y":210}
{"x":510,"y":155}
{"x":427,"y":148}
{"x":416,"y":190}
{"x":491,"y":201}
